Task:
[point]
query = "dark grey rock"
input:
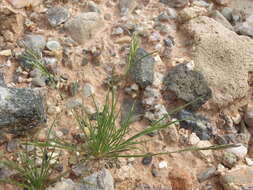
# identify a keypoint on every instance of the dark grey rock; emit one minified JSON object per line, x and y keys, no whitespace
{"x":196,"y":123}
{"x":142,"y":70}
{"x":101,"y":180}
{"x":229,"y":159}
{"x":207,"y":174}
{"x":187,"y":85}
{"x":57,"y":15}
{"x":35,"y":42}
{"x":147,"y":160}
{"x":175,"y":3}
{"x":143,"y":186}
{"x":20,"y":109}
{"x":134,"y":105}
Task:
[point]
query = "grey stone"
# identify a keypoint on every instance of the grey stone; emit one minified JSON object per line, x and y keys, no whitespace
{"x":117,"y":31}
{"x":39,"y":81}
{"x":84,"y":26}
{"x":101,"y":180}
{"x":143,"y":186}
{"x":74,"y":103}
{"x":65,"y":184}
{"x":187,"y":85}
{"x":12,"y":145}
{"x":229,"y":160}
{"x":57,"y":15}
{"x":219,"y":63}
{"x":2,"y":83}
{"x":127,"y":6}
{"x":216,"y":15}
{"x":163,"y":17}
{"x":175,"y":3}
{"x":35,"y":42}
{"x":20,"y":109}
{"x":196,"y":123}
{"x":134,"y":105}
{"x":80,"y":169}
{"x":227,"y":13}
{"x":172,"y":13}
{"x":207,"y":174}
{"x":238,"y":179}
{"x":245,"y":28}
{"x":53,"y":45}
{"x":142,"y":69}
{"x":88,"y":90}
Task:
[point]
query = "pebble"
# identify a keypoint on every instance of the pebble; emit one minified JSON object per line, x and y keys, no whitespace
{"x":172,"y":13}
{"x":240,"y":151}
{"x":229,"y":160}
{"x":147,"y":160}
{"x":73,"y":103}
{"x":117,"y":31}
{"x":3,"y":139}
{"x":163,"y":164}
{"x":6,"y":52}
{"x":39,"y":81}
{"x":249,"y":161}
{"x":88,"y":90}
{"x":12,"y":145}
{"x":143,"y":186}
{"x":53,"y":45}
{"x":57,"y":15}
{"x":123,"y":40}
{"x":206,"y":174}
{"x":35,"y":42}
{"x":227,"y":13}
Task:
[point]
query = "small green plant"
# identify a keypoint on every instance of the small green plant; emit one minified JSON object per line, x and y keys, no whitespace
{"x":103,"y":139}
{"x":34,"y":58}
{"x":34,"y":168}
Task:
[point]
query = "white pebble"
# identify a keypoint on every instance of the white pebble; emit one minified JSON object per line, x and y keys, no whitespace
{"x":163,"y":164}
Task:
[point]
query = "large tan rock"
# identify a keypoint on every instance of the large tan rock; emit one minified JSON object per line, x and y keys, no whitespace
{"x":223,"y":57}
{"x":84,"y":26}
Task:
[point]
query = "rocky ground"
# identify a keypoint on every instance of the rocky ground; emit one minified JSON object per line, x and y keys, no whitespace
{"x":198,"y":48}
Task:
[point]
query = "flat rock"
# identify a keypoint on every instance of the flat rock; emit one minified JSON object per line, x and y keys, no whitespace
{"x":84,"y":26}
{"x":57,"y":15}
{"x":238,"y":179}
{"x":142,"y":70}
{"x":224,"y":66}
{"x":187,"y":85}
{"x":20,"y":109}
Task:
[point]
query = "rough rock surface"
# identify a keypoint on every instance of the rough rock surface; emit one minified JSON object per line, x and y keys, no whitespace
{"x":187,"y":85}
{"x":175,"y":3}
{"x":83,"y":26}
{"x":101,"y":180}
{"x":225,"y":66}
{"x":20,"y":109}
{"x":238,"y":179}
{"x":142,"y":70}
{"x":57,"y":15}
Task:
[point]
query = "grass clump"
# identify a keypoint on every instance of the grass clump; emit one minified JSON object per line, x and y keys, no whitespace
{"x":33,"y":169}
{"x":35,"y":59}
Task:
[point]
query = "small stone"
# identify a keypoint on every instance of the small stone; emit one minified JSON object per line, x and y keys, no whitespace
{"x":240,"y":151}
{"x":39,"y":81}
{"x":117,"y":31}
{"x":163,"y":17}
{"x":6,"y":52}
{"x":65,"y":184}
{"x":57,"y":15}
{"x":221,"y":2}
{"x":143,"y":186}
{"x":172,"y":13}
{"x":12,"y":145}
{"x":93,"y":7}
{"x":147,"y":160}
{"x":127,"y":6}
{"x":35,"y":42}
{"x":227,"y":13}
{"x":163,"y":164}
{"x":80,"y":169}
{"x":172,"y":134}
{"x":206,"y":154}
{"x":207,"y":174}
{"x":88,"y":90}
{"x":249,"y":161}
{"x":123,"y":40}
{"x":74,"y":103}
{"x":193,"y":139}
{"x":53,"y":45}
{"x":245,"y":28}
{"x":229,"y":160}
